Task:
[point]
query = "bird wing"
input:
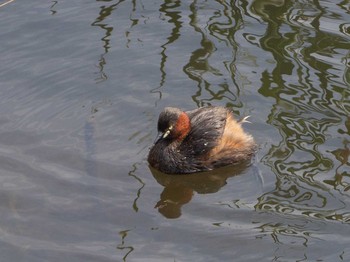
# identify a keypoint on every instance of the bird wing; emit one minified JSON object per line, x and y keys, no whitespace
{"x":207,"y":126}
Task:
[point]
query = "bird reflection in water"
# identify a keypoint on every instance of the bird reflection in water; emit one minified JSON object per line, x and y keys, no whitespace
{"x":179,"y":189}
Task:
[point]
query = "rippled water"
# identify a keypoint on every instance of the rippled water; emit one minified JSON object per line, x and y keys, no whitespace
{"x":82,"y":84}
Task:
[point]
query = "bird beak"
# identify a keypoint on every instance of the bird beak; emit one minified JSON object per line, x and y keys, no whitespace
{"x":166,"y":133}
{"x":163,"y":135}
{"x":159,"y":136}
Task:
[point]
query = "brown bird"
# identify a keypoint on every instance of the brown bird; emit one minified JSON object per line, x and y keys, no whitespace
{"x":199,"y":140}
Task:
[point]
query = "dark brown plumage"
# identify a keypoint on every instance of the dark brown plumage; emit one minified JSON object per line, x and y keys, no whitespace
{"x":199,"y":140}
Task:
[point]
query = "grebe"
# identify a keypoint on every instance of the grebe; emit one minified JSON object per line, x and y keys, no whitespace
{"x":199,"y":140}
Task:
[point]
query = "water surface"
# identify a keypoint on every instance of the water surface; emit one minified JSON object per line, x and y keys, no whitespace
{"x":82,"y":85}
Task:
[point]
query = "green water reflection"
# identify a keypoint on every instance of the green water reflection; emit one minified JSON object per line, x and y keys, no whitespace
{"x":287,"y":63}
{"x":311,"y":103}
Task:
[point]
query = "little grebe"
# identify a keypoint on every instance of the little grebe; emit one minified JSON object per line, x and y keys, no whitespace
{"x":199,"y":140}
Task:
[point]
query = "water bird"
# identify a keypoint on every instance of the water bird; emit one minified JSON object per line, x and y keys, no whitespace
{"x":199,"y":140}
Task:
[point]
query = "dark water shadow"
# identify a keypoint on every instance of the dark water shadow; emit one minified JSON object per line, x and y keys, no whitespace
{"x":179,"y":189}
{"x":199,"y":65}
{"x":169,"y":9}
{"x":106,"y":12}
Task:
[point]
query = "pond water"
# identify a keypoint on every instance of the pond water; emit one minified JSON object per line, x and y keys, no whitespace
{"x":82,"y":85}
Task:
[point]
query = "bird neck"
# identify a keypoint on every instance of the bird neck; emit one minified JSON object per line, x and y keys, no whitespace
{"x":183,"y":126}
